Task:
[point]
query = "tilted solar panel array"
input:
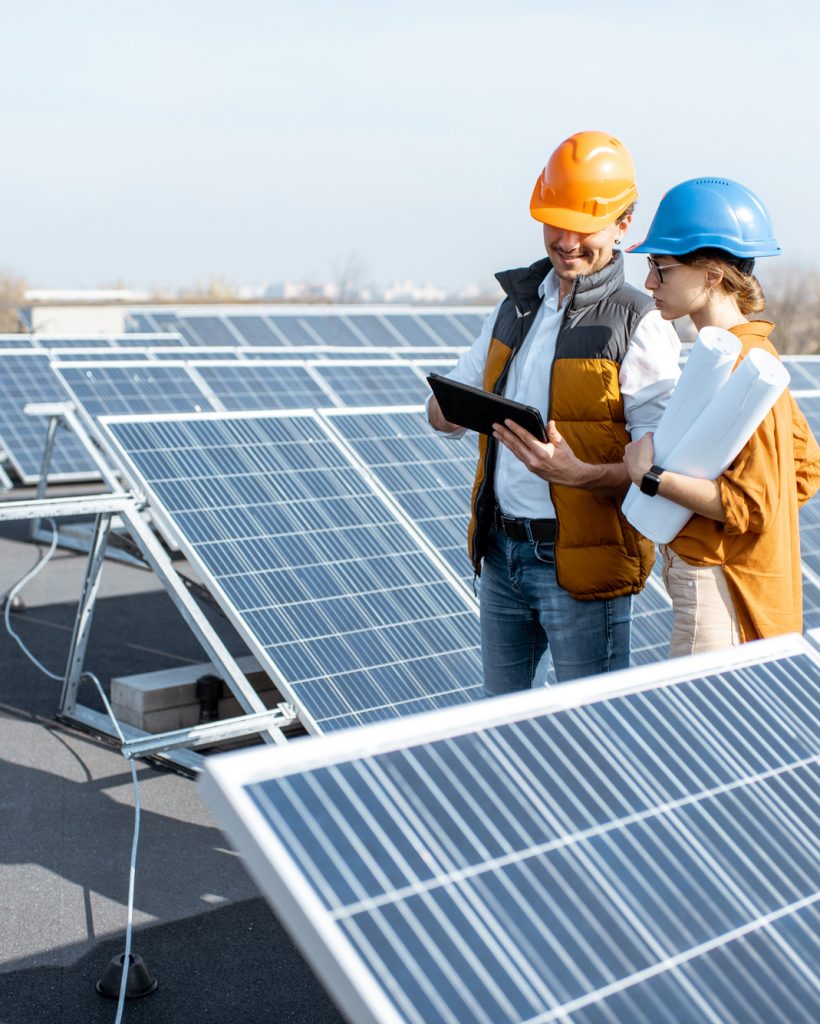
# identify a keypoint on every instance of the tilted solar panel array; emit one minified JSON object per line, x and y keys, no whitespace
{"x":624,"y":849}
{"x":352,"y":615}
{"x":312,"y":326}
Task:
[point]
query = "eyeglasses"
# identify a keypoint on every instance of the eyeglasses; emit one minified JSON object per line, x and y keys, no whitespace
{"x":656,"y":268}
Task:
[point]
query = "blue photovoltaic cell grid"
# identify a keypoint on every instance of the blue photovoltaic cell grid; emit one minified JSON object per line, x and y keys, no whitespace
{"x":255,"y":330}
{"x":388,"y":383}
{"x":25,"y":378}
{"x":446,"y":328}
{"x":804,"y":372}
{"x":100,"y":355}
{"x":189,"y":352}
{"x":120,"y":390}
{"x":18,"y":341}
{"x":139,"y":323}
{"x":429,"y":478}
{"x":146,"y":340}
{"x":472,"y":321}
{"x":321,"y":579}
{"x":647,"y":859}
{"x":293,"y":330}
{"x":332,"y":330}
{"x":92,"y":341}
{"x":374,"y":329}
{"x":177,"y":325}
{"x":211,"y":330}
{"x":257,"y":385}
{"x":651,"y":619}
{"x":410,"y":328}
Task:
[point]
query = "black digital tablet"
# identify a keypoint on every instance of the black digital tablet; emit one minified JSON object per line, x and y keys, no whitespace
{"x":477,"y":410}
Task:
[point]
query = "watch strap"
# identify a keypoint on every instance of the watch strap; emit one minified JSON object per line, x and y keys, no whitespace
{"x":651,"y":481}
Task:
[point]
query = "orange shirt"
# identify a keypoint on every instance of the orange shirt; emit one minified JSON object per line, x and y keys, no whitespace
{"x":758,"y":546}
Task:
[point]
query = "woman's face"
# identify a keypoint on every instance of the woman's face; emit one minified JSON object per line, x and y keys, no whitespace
{"x":678,"y":290}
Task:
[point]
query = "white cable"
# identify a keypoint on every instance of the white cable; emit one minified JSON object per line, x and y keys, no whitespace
{"x":132,"y":870}
{"x":41,"y":563}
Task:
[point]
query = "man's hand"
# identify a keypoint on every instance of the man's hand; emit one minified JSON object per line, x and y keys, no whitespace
{"x":436,"y":419}
{"x":555,"y":462}
{"x":638,"y":458}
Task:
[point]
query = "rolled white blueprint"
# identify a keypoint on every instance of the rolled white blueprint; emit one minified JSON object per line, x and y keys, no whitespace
{"x":713,"y":440}
{"x":706,"y":370}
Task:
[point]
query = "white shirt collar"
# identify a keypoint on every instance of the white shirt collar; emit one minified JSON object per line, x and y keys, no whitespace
{"x":548,"y":290}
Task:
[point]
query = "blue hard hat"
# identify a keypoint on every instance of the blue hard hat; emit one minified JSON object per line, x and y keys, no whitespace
{"x":710,"y":213}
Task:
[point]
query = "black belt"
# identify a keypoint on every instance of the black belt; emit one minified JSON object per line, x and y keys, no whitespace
{"x":525,"y":529}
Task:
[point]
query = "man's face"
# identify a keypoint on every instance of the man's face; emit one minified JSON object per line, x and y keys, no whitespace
{"x":573,"y":254}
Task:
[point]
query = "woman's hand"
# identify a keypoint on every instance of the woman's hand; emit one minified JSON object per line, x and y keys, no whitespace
{"x":638,"y":458}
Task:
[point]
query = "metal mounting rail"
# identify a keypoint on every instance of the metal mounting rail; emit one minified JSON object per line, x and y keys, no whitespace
{"x":58,"y":508}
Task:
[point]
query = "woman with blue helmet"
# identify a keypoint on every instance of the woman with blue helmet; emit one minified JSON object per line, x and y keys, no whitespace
{"x":733,"y":572}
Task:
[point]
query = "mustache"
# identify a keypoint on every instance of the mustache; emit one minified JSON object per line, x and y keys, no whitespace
{"x":578,"y":251}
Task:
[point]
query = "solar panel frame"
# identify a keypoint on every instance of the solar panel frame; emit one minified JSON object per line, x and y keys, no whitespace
{"x":253,"y":795}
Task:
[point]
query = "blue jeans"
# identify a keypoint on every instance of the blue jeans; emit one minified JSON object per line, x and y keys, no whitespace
{"x":525,"y":616}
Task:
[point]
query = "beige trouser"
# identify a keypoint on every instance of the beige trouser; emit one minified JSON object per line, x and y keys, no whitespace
{"x":704,"y":616}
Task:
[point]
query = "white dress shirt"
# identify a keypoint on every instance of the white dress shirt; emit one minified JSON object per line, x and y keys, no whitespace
{"x":648,"y":374}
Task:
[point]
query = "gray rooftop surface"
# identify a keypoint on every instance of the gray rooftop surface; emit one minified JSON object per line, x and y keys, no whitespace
{"x":67,"y":806}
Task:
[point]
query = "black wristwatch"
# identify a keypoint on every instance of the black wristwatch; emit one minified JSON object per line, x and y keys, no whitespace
{"x":651,"y":481}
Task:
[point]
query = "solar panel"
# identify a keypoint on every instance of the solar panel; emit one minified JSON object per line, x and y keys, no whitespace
{"x":641,"y":847}
{"x":410,"y":328}
{"x":26,"y":377}
{"x":170,"y":322}
{"x":333,"y":330}
{"x":804,"y":371}
{"x":255,"y":330}
{"x":428,"y":477}
{"x":15,"y":341}
{"x":376,"y":329}
{"x":352,"y":615}
{"x":118,"y":389}
{"x":810,"y":406}
{"x":98,"y":354}
{"x":146,"y":339}
{"x":211,"y":330}
{"x":447,"y":329}
{"x":651,"y":620}
{"x":292,"y":330}
{"x":77,"y":341}
{"x":472,"y":323}
{"x":382,"y":382}
{"x":263,"y":384}
{"x":188,"y":352}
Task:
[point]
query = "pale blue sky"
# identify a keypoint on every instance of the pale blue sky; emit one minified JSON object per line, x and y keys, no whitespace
{"x":164,"y":142}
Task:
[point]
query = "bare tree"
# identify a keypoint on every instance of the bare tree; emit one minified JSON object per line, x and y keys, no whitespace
{"x":218,"y":289}
{"x":349,"y":273}
{"x":793,"y":302}
{"x":12,"y":296}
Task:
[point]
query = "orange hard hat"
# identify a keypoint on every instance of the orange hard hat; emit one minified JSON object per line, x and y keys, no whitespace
{"x":588,"y":181}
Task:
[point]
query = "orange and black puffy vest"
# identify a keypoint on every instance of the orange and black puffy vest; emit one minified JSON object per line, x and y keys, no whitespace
{"x":598,"y":554}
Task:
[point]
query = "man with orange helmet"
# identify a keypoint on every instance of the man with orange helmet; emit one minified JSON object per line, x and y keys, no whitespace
{"x":559,"y":562}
